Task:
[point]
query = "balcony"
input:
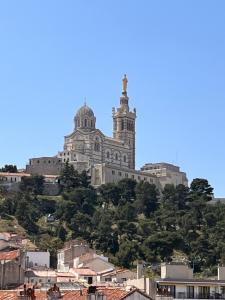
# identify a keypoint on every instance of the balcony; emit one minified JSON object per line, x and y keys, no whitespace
{"x":183,"y":295}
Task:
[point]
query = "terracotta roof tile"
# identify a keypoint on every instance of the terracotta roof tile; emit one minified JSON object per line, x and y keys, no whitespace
{"x":110,"y":293}
{"x":83,"y":271}
{"x":14,"y":174}
{"x":9,"y":255}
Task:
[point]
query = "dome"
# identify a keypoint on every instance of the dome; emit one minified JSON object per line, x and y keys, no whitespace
{"x":85,"y":111}
{"x":85,"y":118}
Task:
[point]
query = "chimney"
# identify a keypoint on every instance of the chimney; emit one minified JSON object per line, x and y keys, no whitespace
{"x":139,"y":269}
{"x":221,"y":273}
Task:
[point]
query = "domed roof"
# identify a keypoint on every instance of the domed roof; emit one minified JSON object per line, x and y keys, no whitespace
{"x":85,"y":111}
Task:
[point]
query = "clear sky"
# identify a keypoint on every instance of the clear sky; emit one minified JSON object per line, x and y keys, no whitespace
{"x":54,"y":54}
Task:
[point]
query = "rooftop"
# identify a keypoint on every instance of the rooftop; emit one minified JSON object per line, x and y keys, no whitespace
{"x":84,"y":271}
{"x":110,"y":293}
{"x":10,"y":255}
{"x":192,"y":281}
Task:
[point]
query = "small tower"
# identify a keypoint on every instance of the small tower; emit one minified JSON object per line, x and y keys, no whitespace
{"x":124,"y":123}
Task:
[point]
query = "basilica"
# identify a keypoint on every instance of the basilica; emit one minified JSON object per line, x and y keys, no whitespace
{"x":106,"y":159}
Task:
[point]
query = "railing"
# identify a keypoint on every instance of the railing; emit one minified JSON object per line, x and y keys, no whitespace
{"x":183,"y":295}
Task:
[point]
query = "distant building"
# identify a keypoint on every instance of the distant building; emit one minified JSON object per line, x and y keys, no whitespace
{"x":166,"y":173}
{"x":177,"y":282}
{"x":71,"y":250}
{"x":118,"y":276}
{"x":84,"y":274}
{"x":40,"y":277}
{"x":92,"y":293}
{"x":106,"y":159}
{"x":38,"y":259}
{"x":7,"y":178}
{"x":12,"y":268}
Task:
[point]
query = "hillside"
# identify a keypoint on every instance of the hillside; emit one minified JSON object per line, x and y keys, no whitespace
{"x":127,"y":221}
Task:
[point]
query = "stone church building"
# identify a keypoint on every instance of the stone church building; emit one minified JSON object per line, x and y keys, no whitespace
{"x":107,"y":159}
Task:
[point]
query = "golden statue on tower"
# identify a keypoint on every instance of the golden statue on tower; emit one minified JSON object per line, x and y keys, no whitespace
{"x":125,"y":81}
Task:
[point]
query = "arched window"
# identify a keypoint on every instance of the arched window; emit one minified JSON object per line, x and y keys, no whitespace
{"x":122,"y":124}
{"x":107,"y":154}
{"x":85,"y":122}
{"x":116,"y":156}
{"x":125,"y":158}
{"x":115,"y":125}
{"x":97,"y":147}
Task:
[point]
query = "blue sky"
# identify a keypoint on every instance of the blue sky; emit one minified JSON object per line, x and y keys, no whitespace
{"x":54,"y":54}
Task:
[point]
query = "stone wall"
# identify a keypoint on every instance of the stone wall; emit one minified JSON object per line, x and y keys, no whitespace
{"x":51,"y":189}
{"x":11,"y":274}
{"x":44,"y":166}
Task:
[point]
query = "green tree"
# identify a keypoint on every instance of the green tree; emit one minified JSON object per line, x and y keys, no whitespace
{"x":104,"y":234}
{"x":85,"y":179}
{"x":201,"y":188}
{"x":110,"y":193}
{"x":26,"y":213}
{"x":146,"y":198}
{"x":61,"y":233}
{"x":9,"y":169}
{"x":81,"y":226}
{"x":69,"y":177}
{"x":127,"y":190}
{"x":127,"y":254}
{"x":33,"y":184}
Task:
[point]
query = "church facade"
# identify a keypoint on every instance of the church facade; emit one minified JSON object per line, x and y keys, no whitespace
{"x":107,"y":159}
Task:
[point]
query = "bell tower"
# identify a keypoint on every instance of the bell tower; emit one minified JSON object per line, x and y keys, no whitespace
{"x":124,"y":123}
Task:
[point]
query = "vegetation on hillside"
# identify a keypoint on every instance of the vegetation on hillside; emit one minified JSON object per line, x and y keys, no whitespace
{"x":127,"y":220}
{"x":9,"y":169}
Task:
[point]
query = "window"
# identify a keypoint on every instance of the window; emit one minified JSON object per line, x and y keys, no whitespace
{"x":132,"y":176}
{"x":108,"y":279}
{"x":190,"y":292}
{"x":116,"y":156}
{"x":204,"y":292}
{"x":97,"y":147}
{"x":125,"y":158}
{"x":115,"y":125}
{"x":113,"y":172}
{"x":107,"y":154}
{"x":168,"y":290}
{"x":85,"y":122}
{"x":126,"y":175}
{"x":120,"y":174}
{"x":122,"y":125}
